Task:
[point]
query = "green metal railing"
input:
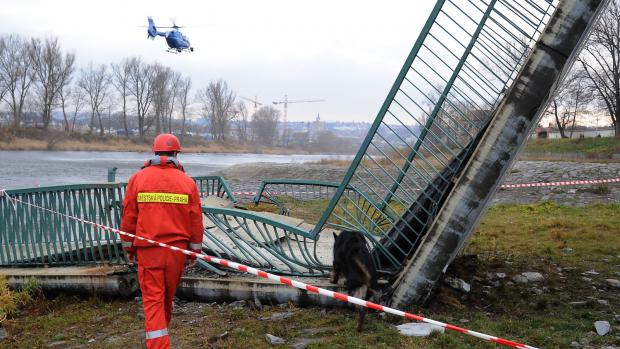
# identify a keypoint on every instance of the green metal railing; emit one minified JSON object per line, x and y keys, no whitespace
{"x":214,"y":186}
{"x":255,"y":239}
{"x":307,"y":199}
{"x":29,"y":236}
{"x":467,"y":55}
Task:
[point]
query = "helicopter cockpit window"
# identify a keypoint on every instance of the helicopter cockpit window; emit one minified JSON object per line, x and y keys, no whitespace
{"x":185,"y":38}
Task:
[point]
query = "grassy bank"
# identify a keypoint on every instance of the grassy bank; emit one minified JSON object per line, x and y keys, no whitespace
{"x":34,"y":139}
{"x":575,"y":249}
{"x":574,"y":150}
{"x":12,"y":301}
{"x":591,"y":147}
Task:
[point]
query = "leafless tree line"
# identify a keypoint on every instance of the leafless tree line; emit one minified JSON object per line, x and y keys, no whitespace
{"x":600,"y":62}
{"x":591,"y":88}
{"x":37,"y":75}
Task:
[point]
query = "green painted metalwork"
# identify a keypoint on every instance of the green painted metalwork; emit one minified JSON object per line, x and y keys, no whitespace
{"x":214,"y":185}
{"x":465,"y":58}
{"x":112,"y":174}
{"x":29,"y":236}
{"x":305,"y":199}
{"x":255,"y":239}
{"x":439,"y":105}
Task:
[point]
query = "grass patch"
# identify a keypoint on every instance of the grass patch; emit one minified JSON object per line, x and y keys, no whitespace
{"x":11,"y":301}
{"x":547,"y":228}
{"x":559,"y":242}
{"x":608,"y":145}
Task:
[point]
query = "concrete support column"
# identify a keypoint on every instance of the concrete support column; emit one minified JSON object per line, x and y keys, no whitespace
{"x":551,"y":58}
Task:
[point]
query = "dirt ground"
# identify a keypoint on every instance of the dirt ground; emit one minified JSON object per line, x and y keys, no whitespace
{"x":247,"y":177}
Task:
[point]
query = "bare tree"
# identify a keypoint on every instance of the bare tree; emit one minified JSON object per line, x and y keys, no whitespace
{"x":120,"y":80}
{"x":601,"y":61}
{"x":78,"y":99}
{"x":141,"y":88}
{"x":161,"y":81}
{"x":64,"y":94}
{"x":95,"y":81}
{"x":572,"y":98}
{"x":265,"y":125}
{"x":3,"y":87}
{"x":174,"y":85}
{"x":53,"y":70}
{"x":165,"y":84}
{"x":218,"y":102}
{"x":242,"y":122}
{"x":185,"y":85}
{"x":16,"y":73}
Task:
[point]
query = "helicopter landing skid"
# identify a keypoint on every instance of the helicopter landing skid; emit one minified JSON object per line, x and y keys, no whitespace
{"x":177,"y":51}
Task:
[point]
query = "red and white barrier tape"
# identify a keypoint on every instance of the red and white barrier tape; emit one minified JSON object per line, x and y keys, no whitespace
{"x":290,"y":282}
{"x":503,"y":186}
{"x":561,"y":183}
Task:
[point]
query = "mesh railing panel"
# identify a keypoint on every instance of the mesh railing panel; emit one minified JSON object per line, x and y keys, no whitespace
{"x":466,"y":57}
{"x":30,"y":236}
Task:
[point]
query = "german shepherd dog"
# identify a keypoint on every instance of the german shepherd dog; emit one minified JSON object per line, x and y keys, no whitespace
{"x":352,"y":260}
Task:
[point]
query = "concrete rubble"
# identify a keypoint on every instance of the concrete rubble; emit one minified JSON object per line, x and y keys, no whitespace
{"x":613,"y":283}
{"x":273,"y":340}
{"x":458,"y":284}
{"x":528,"y":276}
{"x":419,"y":329}
{"x":602,"y":327}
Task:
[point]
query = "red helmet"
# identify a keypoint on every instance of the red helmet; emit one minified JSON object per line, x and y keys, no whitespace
{"x":166,"y":142}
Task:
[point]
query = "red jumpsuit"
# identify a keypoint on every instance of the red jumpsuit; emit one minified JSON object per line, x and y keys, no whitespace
{"x":161,"y":203}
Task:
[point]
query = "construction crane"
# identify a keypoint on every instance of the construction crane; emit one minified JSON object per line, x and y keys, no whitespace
{"x":255,"y":101}
{"x":284,"y":121}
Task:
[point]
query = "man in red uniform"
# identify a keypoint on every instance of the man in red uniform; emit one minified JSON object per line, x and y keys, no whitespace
{"x":161,"y":203}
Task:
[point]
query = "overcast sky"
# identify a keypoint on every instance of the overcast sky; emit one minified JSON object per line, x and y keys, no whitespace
{"x":346,"y":52}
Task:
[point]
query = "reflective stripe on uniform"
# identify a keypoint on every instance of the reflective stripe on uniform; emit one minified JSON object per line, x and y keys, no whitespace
{"x":127,"y":243}
{"x":193,"y":246}
{"x":169,"y":198}
{"x":156,"y":333}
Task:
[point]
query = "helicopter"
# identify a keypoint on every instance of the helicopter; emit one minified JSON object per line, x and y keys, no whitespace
{"x":177,"y":42}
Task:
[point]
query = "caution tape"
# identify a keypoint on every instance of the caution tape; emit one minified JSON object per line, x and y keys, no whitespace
{"x":287,"y":281}
{"x":503,"y":186}
{"x":560,"y":183}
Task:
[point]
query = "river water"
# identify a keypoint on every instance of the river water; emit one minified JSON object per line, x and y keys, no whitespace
{"x":24,"y":169}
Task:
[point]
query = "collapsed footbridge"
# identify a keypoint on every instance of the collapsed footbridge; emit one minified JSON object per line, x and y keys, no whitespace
{"x":472,"y":88}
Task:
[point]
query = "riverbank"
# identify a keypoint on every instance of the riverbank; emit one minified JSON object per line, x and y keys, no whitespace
{"x":33,"y":139}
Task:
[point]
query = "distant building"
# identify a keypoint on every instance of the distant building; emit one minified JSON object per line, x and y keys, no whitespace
{"x":316,"y":128}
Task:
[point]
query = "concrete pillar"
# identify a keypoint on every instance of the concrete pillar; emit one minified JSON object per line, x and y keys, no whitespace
{"x":551,"y":58}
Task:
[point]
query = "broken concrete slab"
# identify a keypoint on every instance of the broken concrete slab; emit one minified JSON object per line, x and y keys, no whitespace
{"x":613,"y":283}
{"x":602,"y":327}
{"x":216,"y":202}
{"x":273,"y":340}
{"x":418,"y":329}
{"x":277,"y":316}
{"x":458,"y":284}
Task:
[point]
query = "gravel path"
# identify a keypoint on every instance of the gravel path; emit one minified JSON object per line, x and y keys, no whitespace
{"x":247,"y":177}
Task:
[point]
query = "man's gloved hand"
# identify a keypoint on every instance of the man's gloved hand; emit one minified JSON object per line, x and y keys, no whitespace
{"x":190,"y":262}
{"x":132,"y":258}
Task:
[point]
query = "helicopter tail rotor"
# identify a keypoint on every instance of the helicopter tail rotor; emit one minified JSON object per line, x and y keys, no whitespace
{"x":152,"y":30}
